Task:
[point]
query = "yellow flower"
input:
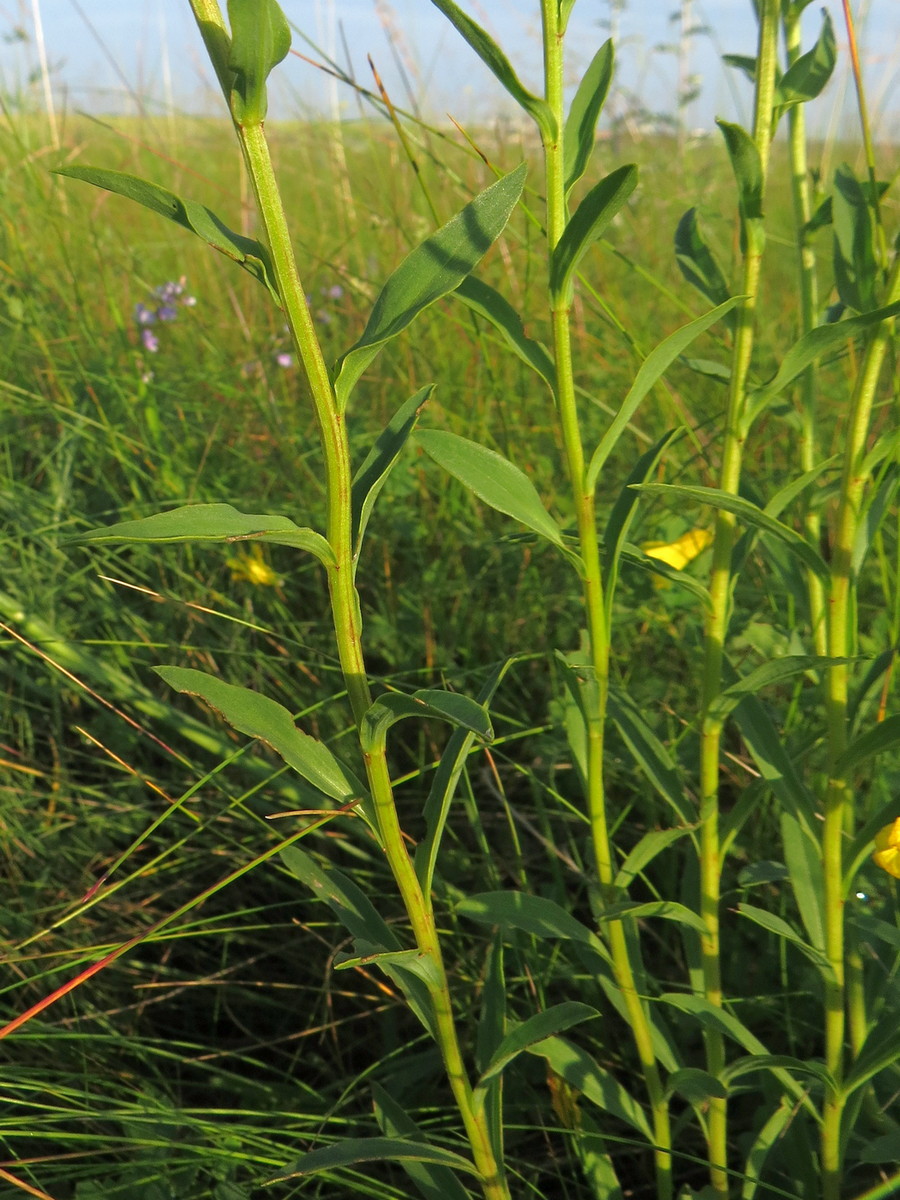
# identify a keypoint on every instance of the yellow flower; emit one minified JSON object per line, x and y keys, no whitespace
{"x":887,"y":849}
{"x":252,"y":567}
{"x":683,"y":550}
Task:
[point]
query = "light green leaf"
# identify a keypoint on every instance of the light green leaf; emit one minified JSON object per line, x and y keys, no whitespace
{"x":880,"y":1050}
{"x":432,"y":270}
{"x":589,"y":221}
{"x":650,"y":845}
{"x":652,"y":369}
{"x":748,"y":172}
{"x":650,"y":754}
{"x":497,"y":62}
{"x":259,"y":717}
{"x":593,"y":1082}
{"x":492,"y":478}
{"x":415,"y":961}
{"x":768,"y":673}
{"x":260,"y":39}
{"x":749,"y":513}
{"x":884,"y":736}
{"x":481,"y":298}
{"x":353,"y":1151}
{"x":581,"y":123}
{"x":554,"y":1020}
{"x":428,"y":702}
{"x":669,"y":910}
{"x":768,"y":1136}
{"x":213,"y":523}
{"x":251,"y":255}
{"x":434,"y":1182}
{"x":533,"y":914}
{"x":370,"y":478}
{"x":856,"y":269}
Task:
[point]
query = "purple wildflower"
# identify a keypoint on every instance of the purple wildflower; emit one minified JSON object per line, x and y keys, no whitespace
{"x":284,"y":360}
{"x":335,"y":292}
{"x":163,"y":307}
{"x":150,"y":340}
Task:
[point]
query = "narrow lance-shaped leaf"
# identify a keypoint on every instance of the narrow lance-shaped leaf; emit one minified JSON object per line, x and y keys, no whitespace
{"x":458,"y":710}
{"x":434,"y":1182}
{"x":592,"y":217}
{"x":806,"y":78}
{"x":698,"y":264}
{"x":764,"y":676}
{"x":481,"y":298}
{"x":855,"y":263}
{"x":652,"y":369}
{"x":371,"y":476}
{"x":492,"y":478}
{"x":213,"y":523}
{"x":581,"y":123}
{"x":259,"y":717}
{"x":554,"y":1020}
{"x":251,"y":255}
{"x":351,"y":1151}
{"x":497,"y":62}
{"x":747,"y":512}
{"x":260,"y":39}
{"x":748,"y":172}
{"x":432,"y":270}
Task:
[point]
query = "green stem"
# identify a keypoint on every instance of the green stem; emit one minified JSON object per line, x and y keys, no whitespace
{"x":345,"y":602}
{"x":839,"y":808}
{"x":720,"y":595}
{"x":595,"y":612}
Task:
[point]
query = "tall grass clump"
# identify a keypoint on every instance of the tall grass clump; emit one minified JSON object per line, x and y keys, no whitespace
{"x":677,"y":971}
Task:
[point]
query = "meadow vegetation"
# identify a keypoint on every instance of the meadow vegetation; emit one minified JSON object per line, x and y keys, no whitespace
{"x":649,"y":734}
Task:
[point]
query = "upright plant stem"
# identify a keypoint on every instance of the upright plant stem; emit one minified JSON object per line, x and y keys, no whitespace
{"x":598,"y":630}
{"x":345,"y":603}
{"x":839,"y":808}
{"x":720,"y":594}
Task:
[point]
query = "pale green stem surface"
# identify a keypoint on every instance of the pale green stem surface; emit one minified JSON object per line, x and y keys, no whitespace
{"x":717,"y":622}
{"x":839,"y":807}
{"x":345,"y":600}
{"x":598,"y":630}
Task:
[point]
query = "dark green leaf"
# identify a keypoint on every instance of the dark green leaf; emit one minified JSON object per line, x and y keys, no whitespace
{"x":370,"y":478}
{"x":749,"y":513}
{"x":763,"y":872}
{"x":533,"y":914}
{"x":432,"y":270}
{"x":492,"y":478}
{"x":747,"y":167}
{"x":554,"y":1020}
{"x":884,"y":736}
{"x":585,"y":226}
{"x":650,"y":845}
{"x":635,"y":557}
{"x":807,"y":76}
{"x":259,"y":717}
{"x":650,"y":754}
{"x":593,"y":1082}
{"x":698,"y":264}
{"x":443,"y":787}
{"x":434,"y":1182}
{"x":883,"y":1149}
{"x":670,"y":910}
{"x":213,"y":523}
{"x":880,"y":1050}
{"x":697,"y":1087}
{"x":260,"y":39}
{"x":581,"y":123}
{"x":428,"y":702}
{"x":488,"y":303}
{"x":855,"y":264}
{"x":764,"y":676}
{"x":780,"y":928}
{"x":652,"y":369}
{"x":352,"y":1151}
{"x":251,"y":255}
{"x":497,"y":62}
{"x":742,"y":62}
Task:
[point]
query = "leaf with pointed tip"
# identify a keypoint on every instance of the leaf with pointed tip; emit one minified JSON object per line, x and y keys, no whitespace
{"x":780,"y":927}
{"x":552,"y":1021}
{"x":581,"y":123}
{"x":652,"y":369}
{"x":747,"y":512}
{"x":695,"y":1086}
{"x":649,"y":753}
{"x":260,"y":39}
{"x":593,"y":1082}
{"x":806,"y":78}
{"x":698,"y":264}
{"x":492,"y":478}
{"x":884,"y":736}
{"x":351,"y":1152}
{"x":497,"y":62}
{"x":432,"y":270}
{"x":589,"y":221}
{"x":748,"y":172}
{"x":213,"y":523}
{"x":428,"y":702}
{"x":855,"y":263}
{"x":251,"y":255}
{"x":650,"y":845}
{"x":488,"y":303}
{"x":533,"y":914}
{"x":434,"y":1182}
{"x":670,"y":910}
{"x":370,"y":478}
{"x":764,"y":676}
{"x":259,"y":717}
{"x":416,"y":962}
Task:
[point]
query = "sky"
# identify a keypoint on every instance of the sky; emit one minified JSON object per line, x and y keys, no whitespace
{"x":113,"y":56}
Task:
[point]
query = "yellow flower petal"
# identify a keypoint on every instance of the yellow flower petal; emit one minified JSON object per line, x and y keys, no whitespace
{"x":683,"y":550}
{"x":252,"y":568}
{"x":887,"y":849}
